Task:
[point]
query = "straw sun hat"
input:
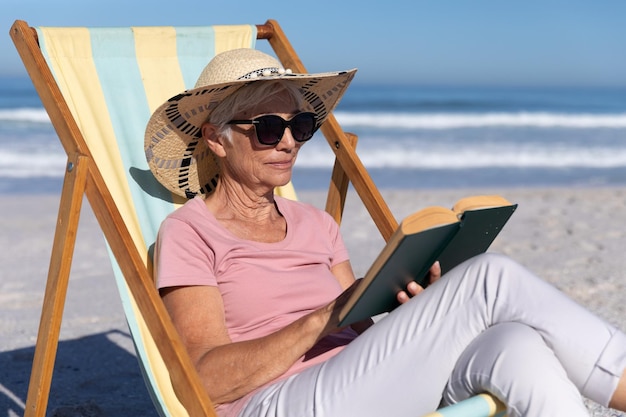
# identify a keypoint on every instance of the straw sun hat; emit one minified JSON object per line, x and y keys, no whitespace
{"x":175,"y":151}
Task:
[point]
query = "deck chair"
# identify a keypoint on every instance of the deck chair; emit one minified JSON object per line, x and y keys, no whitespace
{"x":99,"y":87}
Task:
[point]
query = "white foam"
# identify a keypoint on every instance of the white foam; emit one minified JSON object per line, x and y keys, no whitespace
{"x":436,"y":157}
{"x":33,"y":115}
{"x":26,"y":165}
{"x":24,"y":154}
{"x":384,"y":120}
{"x":468,"y":120}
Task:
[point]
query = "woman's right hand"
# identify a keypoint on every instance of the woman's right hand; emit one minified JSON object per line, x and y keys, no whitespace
{"x":331,"y":311}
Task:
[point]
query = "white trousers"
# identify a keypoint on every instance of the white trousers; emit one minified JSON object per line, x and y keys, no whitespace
{"x":488,"y":325}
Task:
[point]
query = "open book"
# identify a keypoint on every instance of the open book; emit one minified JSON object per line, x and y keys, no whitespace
{"x":449,"y":236}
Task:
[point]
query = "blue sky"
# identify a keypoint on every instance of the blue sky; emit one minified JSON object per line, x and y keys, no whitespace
{"x":436,"y":42}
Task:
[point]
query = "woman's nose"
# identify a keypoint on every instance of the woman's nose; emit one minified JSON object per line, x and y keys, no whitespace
{"x":287,"y":141}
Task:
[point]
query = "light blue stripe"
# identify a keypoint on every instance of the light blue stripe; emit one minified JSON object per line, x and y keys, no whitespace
{"x":118,"y":72}
{"x":144,"y":362}
{"x":120,"y":78}
{"x":472,"y":407}
{"x":195,"y":46}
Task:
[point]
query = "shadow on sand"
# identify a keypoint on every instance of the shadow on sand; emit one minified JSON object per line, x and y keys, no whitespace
{"x":94,"y":376}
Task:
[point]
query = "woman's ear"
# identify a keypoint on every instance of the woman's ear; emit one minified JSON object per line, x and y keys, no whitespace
{"x":214,"y":140}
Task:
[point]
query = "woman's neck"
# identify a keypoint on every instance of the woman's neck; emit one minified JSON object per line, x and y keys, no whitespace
{"x":246,"y":214}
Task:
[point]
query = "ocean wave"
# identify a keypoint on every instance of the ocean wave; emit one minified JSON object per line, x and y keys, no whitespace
{"x":386,"y":120}
{"x":478,"y":157}
{"x":408,"y":121}
{"x":15,"y":164}
{"x":26,"y":165}
{"x":25,"y":114}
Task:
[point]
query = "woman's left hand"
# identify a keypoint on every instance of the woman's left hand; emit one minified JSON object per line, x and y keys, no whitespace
{"x":414,"y":288}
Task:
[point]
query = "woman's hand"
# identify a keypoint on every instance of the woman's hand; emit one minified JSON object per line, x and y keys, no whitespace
{"x":331,"y":311}
{"x":414,"y":288}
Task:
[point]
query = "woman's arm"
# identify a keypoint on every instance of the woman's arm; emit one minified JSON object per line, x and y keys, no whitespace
{"x":231,"y":370}
{"x":345,"y":275}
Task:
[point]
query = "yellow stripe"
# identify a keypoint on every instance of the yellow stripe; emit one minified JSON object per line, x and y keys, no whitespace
{"x":162,"y":78}
{"x":287,"y":191}
{"x":231,"y":37}
{"x":433,"y":414}
{"x":80,"y":85}
{"x":495,"y":405}
{"x":490,"y":403}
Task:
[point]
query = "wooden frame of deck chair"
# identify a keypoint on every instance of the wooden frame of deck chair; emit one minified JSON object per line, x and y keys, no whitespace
{"x":99,"y":87}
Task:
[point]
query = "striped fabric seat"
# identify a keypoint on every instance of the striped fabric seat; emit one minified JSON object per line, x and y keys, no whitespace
{"x":112,"y":79}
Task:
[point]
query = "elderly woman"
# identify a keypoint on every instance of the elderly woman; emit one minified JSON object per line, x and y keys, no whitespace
{"x":253,"y":282}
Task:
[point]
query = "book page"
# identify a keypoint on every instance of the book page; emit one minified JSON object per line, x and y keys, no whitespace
{"x":427,"y":218}
{"x":479,"y":202}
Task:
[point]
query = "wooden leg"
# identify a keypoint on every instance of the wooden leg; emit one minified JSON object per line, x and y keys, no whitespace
{"x":56,"y":288}
{"x":338,"y":189}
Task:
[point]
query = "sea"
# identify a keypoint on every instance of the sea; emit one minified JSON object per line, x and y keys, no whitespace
{"x":410,"y":137}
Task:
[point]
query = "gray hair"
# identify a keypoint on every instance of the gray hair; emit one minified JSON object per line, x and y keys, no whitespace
{"x":248,"y":97}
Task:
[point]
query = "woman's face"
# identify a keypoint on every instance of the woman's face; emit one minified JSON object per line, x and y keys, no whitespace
{"x":260,"y":166}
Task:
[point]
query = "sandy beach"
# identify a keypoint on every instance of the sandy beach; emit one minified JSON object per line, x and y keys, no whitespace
{"x":572,"y":237}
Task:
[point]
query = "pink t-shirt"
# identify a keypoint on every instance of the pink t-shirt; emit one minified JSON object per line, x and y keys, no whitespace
{"x":264,"y":286}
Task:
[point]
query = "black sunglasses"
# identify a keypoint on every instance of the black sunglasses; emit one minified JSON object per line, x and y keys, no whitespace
{"x":271,"y":128}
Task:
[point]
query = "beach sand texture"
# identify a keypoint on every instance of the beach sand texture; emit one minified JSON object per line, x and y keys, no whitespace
{"x":574,"y":238}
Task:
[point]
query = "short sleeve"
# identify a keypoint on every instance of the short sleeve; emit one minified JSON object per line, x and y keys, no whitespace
{"x":182,"y":257}
{"x":340,"y":252}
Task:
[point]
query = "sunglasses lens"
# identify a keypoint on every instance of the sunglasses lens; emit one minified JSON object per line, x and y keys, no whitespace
{"x":303,"y":126}
{"x":270,"y":128}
